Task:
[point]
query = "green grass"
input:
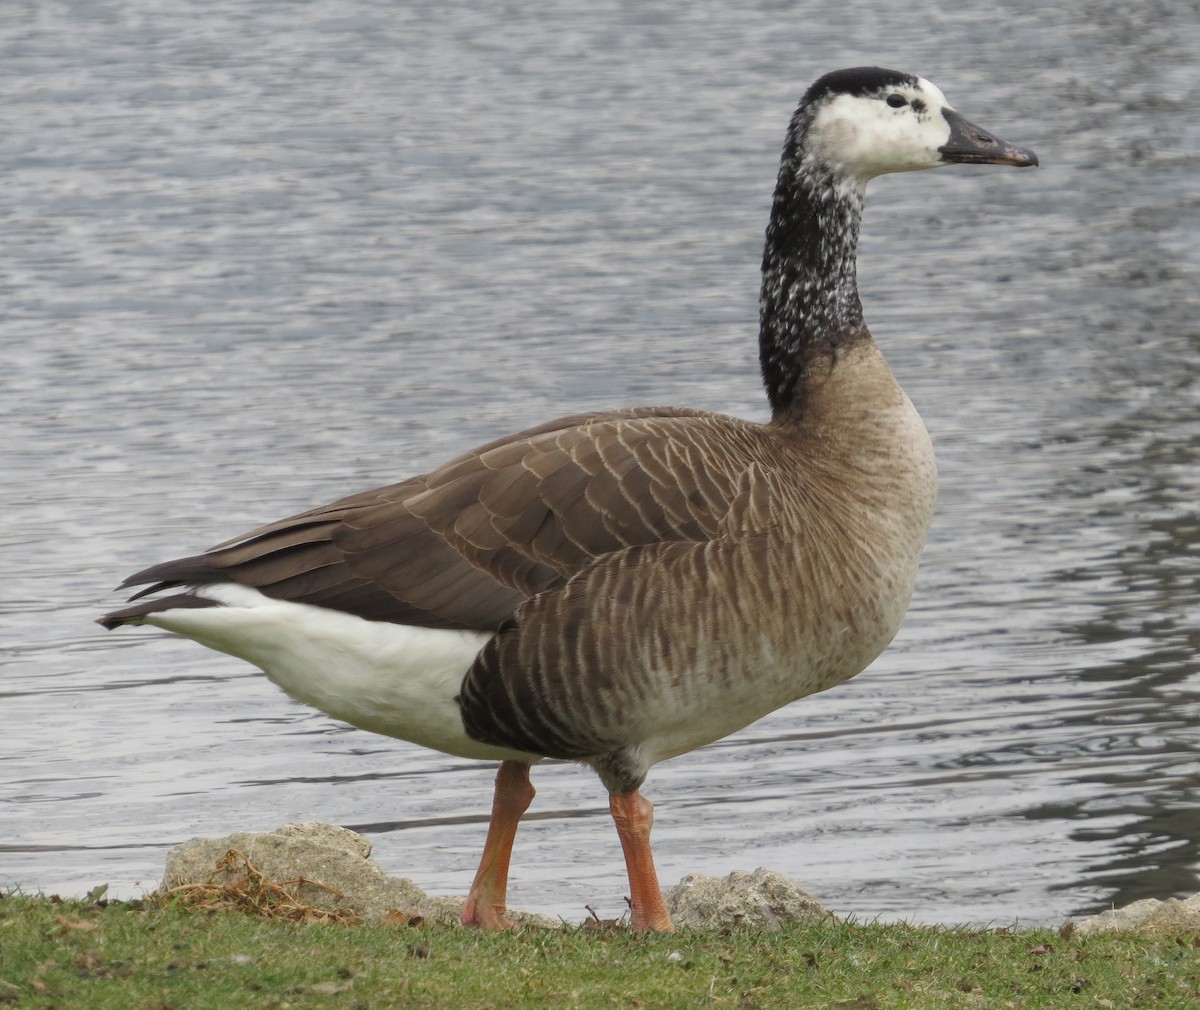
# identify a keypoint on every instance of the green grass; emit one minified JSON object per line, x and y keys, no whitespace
{"x":80,"y":956}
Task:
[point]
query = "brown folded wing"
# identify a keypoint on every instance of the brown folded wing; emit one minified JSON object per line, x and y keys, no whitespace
{"x":463,"y":545}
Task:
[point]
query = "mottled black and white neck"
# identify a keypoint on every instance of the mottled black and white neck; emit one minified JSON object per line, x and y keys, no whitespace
{"x":809,"y":302}
{"x":851,"y":126}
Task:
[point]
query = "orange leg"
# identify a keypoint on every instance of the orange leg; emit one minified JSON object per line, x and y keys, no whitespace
{"x":633,"y":815}
{"x":485,"y":905}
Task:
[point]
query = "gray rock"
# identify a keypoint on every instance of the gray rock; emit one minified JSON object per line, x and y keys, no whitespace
{"x":763,"y":899}
{"x":334,"y":856}
{"x":1146,"y":915}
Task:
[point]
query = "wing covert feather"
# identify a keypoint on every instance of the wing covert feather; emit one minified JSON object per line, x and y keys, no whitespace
{"x":465,"y":544}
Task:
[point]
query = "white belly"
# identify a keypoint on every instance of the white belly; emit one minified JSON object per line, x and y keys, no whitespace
{"x":393,"y":679}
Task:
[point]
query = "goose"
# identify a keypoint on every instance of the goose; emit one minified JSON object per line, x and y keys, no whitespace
{"x":619,"y":588}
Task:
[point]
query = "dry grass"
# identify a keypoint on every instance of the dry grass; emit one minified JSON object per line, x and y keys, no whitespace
{"x":250,"y":891}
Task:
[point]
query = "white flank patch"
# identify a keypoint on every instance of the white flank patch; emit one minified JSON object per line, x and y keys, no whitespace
{"x":393,"y":679}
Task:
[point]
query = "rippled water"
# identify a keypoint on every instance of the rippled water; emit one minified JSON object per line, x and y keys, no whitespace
{"x":256,"y":257}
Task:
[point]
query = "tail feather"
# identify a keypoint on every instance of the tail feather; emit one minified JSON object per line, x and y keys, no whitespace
{"x":133,"y":615}
{"x":192,"y":571}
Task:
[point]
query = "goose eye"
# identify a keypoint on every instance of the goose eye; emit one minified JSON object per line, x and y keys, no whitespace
{"x":897,"y":101}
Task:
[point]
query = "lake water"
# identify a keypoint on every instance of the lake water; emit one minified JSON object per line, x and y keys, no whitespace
{"x":259,"y":255}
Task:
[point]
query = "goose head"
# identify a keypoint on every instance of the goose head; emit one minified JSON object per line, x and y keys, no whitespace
{"x":867,"y":121}
{"x":850,"y":126}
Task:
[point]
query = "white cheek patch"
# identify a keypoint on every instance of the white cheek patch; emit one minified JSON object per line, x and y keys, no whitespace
{"x":936,"y":129}
{"x":831,"y":136}
{"x":862,"y":136}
